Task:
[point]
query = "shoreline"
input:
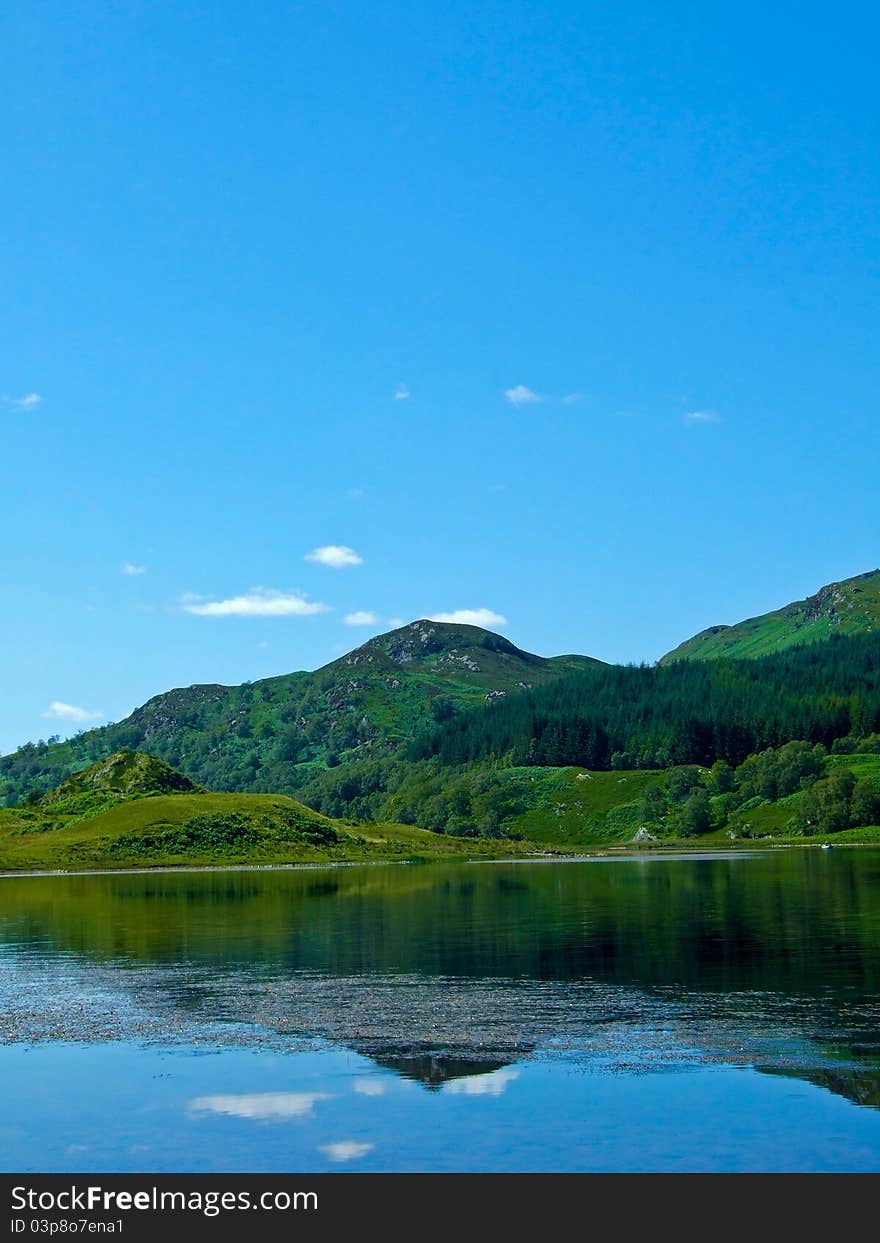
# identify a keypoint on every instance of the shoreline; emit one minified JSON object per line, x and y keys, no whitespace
{"x":672,"y":852}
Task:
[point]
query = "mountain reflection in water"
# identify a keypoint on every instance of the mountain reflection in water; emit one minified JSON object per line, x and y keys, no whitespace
{"x":447,"y":973}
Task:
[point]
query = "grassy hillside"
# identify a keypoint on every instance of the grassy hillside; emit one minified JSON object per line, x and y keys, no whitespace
{"x":198,"y":830}
{"x":132,"y":810}
{"x":560,"y":811}
{"x":279,"y":733}
{"x":849,"y":607}
{"x":123,"y":774}
{"x":793,"y":794}
{"x":573,"y":808}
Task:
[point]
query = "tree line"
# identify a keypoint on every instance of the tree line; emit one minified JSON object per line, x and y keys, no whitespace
{"x":691,"y":712}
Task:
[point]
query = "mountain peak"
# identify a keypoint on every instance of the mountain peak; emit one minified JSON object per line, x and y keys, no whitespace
{"x":850,"y":606}
{"x":430,"y":642}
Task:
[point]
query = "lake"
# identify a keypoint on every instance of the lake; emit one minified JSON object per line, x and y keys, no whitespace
{"x":714,"y":1012}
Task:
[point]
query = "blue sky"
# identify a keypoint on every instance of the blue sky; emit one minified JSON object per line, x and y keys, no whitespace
{"x":562,"y":311}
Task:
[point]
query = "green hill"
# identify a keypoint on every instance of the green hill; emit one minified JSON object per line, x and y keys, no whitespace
{"x":849,"y":607}
{"x":134,"y":811}
{"x":124,"y":774}
{"x":278,"y":734}
{"x":559,"y":811}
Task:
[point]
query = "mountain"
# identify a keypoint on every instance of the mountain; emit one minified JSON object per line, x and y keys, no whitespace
{"x":850,"y":607}
{"x":454,"y":730}
{"x":278,"y":734}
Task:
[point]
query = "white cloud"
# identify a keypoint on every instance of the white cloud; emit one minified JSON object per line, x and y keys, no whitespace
{"x":336,"y":556}
{"x":492,"y":1084}
{"x":702,"y":416}
{"x":258,"y":602}
{"x":129,"y":567}
{"x":58,"y":711}
{"x":369,"y":1087}
{"x":394,"y":623}
{"x":29,"y":401}
{"x":362,"y":617}
{"x":402,"y":393}
{"x":346,"y":1150}
{"x":471,"y":617}
{"x":570,"y":399}
{"x":519,"y":395}
{"x":264,"y":1106}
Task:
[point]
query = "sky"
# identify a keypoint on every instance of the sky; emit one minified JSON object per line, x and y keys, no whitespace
{"x":320,"y":317}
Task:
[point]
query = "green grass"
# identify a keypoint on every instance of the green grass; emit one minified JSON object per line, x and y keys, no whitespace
{"x":89,"y":823}
{"x":865,"y":766}
{"x":573,"y":807}
{"x":772,"y":820}
{"x":767,"y":819}
{"x":856,"y":836}
{"x":850,"y":607}
{"x":215,"y":830}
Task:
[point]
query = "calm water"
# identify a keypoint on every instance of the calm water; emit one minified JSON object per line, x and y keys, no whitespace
{"x":715,"y":1013}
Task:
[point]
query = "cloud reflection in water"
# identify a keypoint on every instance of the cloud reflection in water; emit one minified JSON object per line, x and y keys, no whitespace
{"x":492,"y":1084}
{"x":346,"y":1150}
{"x":262,"y":1106}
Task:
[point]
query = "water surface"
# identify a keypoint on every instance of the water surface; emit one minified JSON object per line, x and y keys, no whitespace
{"x":640,"y":1014}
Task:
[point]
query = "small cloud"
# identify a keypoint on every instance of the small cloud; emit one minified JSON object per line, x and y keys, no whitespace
{"x":29,"y":401}
{"x":355,"y":493}
{"x":335,"y":556}
{"x":471,"y":617}
{"x":258,"y":602}
{"x":263,"y":644}
{"x":519,"y":395}
{"x":129,"y":567}
{"x":702,"y":416}
{"x":498,"y":487}
{"x":362,"y":617}
{"x":395,"y":622}
{"x":58,"y":711}
{"x":571,"y":398}
{"x":346,"y":1150}
{"x":402,"y":393}
{"x":369,"y":1087}
{"x":263,"y":1106}
{"x":492,"y":1084}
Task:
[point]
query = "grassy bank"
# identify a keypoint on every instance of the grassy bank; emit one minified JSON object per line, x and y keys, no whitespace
{"x":206,"y":830}
{"x":132,"y":811}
